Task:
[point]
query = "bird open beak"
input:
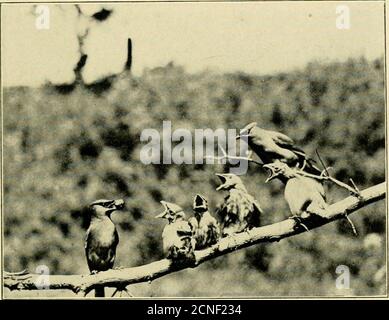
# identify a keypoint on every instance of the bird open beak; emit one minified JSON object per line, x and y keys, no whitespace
{"x":223,"y":179}
{"x":163,"y":214}
{"x":272,"y":173}
{"x":199,"y":202}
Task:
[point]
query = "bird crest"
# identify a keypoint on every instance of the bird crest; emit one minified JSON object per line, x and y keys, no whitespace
{"x":230,"y":181}
{"x":246,"y":130}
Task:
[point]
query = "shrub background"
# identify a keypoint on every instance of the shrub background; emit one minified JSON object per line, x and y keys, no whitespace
{"x":67,"y":146}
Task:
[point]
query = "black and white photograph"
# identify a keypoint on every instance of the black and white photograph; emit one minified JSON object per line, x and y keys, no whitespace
{"x":193,"y":150}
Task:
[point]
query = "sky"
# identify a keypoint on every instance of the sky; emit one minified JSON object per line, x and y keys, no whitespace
{"x":253,"y":37}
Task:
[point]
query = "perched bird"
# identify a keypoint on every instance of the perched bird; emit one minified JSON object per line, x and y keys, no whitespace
{"x":177,"y":236}
{"x":304,"y":195}
{"x":271,"y":146}
{"x":240,"y":211}
{"x":205,"y":226}
{"x":102,"y":238}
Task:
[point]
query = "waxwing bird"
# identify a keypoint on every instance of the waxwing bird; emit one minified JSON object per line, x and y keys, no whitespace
{"x":304,"y":195}
{"x":239,"y":211}
{"x":177,"y":236}
{"x":206,"y":227}
{"x":271,"y":146}
{"x":102,"y":238}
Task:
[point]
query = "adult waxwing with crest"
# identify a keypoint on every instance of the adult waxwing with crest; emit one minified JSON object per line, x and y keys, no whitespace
{"x":239,"y":211}
{"x":177,"y":236}
{"x":271,"y":146}
{"x":304,"y":195}
{"x":102,"y":237}
{"x":206,"y":227}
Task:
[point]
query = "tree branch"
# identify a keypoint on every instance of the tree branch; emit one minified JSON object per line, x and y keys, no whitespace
{"x":120,"y":278}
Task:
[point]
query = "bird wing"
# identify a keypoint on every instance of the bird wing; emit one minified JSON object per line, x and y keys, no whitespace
{"x":281,"y":139}
{"x":240,"y":210}
{"x":229,"y":216}
{"x":254,"y":212}
{"x":183,"y":228}
{"x":211,"y":226}
{"x":228,"y":209}
{"x":318,"y":187}
{"x":86,"y":241}
{"x":284,"y":141}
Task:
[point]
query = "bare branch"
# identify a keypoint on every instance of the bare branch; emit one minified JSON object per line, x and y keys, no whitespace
{"x":226,"y":156}
{"x":120,"y":278}
{"x":324,"y":177}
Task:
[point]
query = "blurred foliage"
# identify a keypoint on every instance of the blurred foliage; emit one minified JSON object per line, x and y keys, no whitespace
{"x":65,"y":148}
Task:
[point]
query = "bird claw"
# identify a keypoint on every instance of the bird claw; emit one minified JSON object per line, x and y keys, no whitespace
{"x":121,"y":290}
{"x":118,"y":268}
{"x":298,"y":219}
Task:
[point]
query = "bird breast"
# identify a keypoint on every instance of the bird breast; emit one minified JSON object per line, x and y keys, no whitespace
{"x":301,"y":191}
{"x":171,"y":236}
{"x":104,"y":231}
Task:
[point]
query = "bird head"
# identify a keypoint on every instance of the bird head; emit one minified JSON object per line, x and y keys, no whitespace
{"x":104,"y":207}
{"x":229,"y":181}
{"x":278,"y":169}
{"x":172,"y":211}
{"x":247,"y":130}
{"x":200,"y":204}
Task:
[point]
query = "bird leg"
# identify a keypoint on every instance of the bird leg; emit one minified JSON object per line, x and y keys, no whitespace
{"x":121,"y":290}
{"x":298,"y":219}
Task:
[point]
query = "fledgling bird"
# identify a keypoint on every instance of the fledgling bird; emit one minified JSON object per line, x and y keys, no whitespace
{"x":177,"y":236}
{"x":206,"y":228}
{"x":102,"y":237}
{"x":239,"y":211}
{"x":271,"y":146}
{"x":304,"y":195}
